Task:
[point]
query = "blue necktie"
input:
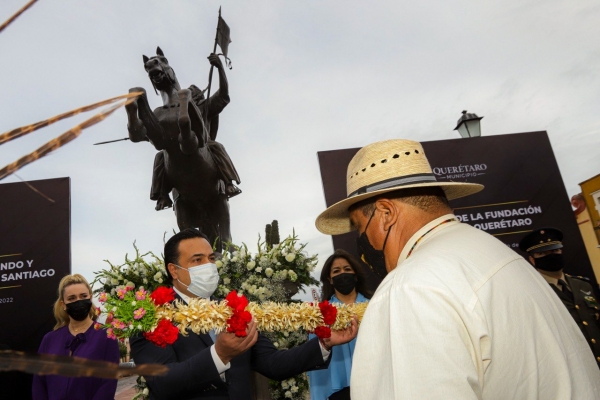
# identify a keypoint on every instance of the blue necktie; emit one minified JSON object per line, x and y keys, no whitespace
{"x":212,"y":335}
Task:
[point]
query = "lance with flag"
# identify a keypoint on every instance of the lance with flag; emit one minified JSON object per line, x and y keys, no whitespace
{"x":222,"y":38}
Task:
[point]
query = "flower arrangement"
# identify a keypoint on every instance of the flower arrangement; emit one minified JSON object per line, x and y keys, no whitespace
{"x":269,"y":275}
{"x":136,"y":273}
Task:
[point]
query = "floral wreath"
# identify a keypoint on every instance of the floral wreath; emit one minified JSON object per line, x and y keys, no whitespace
{"x":154,"y":314}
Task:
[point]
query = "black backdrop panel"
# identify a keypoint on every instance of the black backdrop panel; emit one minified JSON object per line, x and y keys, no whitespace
{"x":523,"y":189}
{"x":35,"y":254}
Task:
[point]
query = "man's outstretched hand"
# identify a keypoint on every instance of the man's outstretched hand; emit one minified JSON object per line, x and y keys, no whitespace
{"x":229,"y":346}
{"x":341,"y":337}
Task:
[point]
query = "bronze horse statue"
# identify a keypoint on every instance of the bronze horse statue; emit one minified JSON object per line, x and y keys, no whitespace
{"x":190,"y":163}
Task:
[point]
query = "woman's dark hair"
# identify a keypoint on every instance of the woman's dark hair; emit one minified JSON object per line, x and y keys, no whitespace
{"x":172,"y":247}
{"x":361,"y":277}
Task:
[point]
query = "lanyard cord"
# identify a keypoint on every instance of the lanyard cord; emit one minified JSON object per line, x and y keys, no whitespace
{"x":423,"y":235}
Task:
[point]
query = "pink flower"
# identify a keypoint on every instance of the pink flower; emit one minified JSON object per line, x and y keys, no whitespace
{"x":118,"y":324}
{"x":128,"y":288}
{"x":103,"y":296}
{"x":97,"y":326}
{"x":140,"y":295}
{"x":139,"y":313}
{"x":121,"y":293}
{"x":109,"y":318}
{"x":110,"y":333}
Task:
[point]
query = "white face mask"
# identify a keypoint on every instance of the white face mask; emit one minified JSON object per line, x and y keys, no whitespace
{"x":204,"y":279}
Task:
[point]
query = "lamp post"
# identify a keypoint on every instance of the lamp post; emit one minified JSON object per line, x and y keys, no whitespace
{"x":469,"y":125}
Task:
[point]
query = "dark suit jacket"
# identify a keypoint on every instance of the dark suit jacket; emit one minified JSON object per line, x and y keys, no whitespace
{"x":583,"y":307}
{"x":193,"y":374}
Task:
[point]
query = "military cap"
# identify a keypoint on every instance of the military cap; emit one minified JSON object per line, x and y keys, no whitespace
{"x":542,"y":239}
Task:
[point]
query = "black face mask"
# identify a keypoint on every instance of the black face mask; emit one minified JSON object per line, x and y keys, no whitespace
{"x":375,"y":259}
{"x":344,"y":283}
{"x":80,"y":309}
{"x":551,"y":262}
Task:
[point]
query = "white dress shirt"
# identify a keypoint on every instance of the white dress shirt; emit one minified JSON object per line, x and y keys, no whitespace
{"x":465,"y":317}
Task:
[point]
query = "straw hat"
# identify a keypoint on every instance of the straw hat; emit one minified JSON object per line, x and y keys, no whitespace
{"x":384,"y":167}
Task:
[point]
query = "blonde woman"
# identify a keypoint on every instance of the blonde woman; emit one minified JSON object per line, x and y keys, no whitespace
{"x":74,"y":335}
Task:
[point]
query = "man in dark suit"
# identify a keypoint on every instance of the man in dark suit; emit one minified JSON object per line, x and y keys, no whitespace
{"x":544,"y":247}
{"x":206,"y":366}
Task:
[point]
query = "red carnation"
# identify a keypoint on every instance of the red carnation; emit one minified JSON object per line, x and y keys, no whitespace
{"x":164,"y":334}
{"x":162,"y":295}
{"x":238,"y":323}
{"x":238,"y":303}
{"x":323,"y":332}
{"x":328,"y":311}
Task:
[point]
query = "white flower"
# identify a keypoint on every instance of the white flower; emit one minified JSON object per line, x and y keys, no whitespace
{"x":160,"y":280}
{"x":285,"y":385}
{"x":133,"y":303}
{"x":234,"y":259}
{"x":290,"y":257}
{"x":276,"y":345}
{"x":294,"y":389}
{"x":286,"y":334}
{"x":130,"y":284}
{"x":291,"y":381}
{"x":113,"y":291}
{"x":114,"y":309}
{"x":258,"y":270}
{"x":146,"y":392}
{"x":293,"y":275}
{"x":269,"y":272}
{"x":219,"y":263}
{"x":288,"y":394}
{"x":145,"y":281}
{"x":227,"y":281}
{"x":142,"y":378}
{"x":250,"y":265}
{"x":120,"y":277}
{"x":136,"y":273}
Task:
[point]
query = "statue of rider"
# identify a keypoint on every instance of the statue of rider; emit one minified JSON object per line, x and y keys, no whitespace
{"x":210,"y":110}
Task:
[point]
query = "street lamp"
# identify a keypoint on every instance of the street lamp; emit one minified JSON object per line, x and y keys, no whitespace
{"x":469,"y":125}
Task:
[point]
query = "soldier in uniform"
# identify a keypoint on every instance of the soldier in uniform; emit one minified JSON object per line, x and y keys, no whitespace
{"x":544,"y":247}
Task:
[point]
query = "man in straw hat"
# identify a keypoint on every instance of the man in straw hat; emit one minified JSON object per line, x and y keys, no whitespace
{"x":459,"y":314}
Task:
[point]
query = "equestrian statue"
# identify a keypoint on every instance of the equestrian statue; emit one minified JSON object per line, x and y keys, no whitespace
{"x":189,"y":163}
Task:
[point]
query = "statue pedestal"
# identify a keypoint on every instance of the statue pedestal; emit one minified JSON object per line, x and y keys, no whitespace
{"x":260,"y":387}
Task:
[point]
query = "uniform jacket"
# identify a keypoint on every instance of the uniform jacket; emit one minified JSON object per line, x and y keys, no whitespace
{"x":193,"y":375}
{"x":584,"y":309}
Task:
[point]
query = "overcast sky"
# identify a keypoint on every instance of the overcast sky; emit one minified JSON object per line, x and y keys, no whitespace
{"x":307,"y":76}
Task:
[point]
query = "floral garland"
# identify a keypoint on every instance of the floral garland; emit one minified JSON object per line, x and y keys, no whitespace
{"x":131,"y":312}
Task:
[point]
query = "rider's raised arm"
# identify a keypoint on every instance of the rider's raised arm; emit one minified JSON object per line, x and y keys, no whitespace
{"x":219,"y":100}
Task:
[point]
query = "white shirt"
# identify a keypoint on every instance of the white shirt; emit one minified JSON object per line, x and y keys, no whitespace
{"x":465,"y":317}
